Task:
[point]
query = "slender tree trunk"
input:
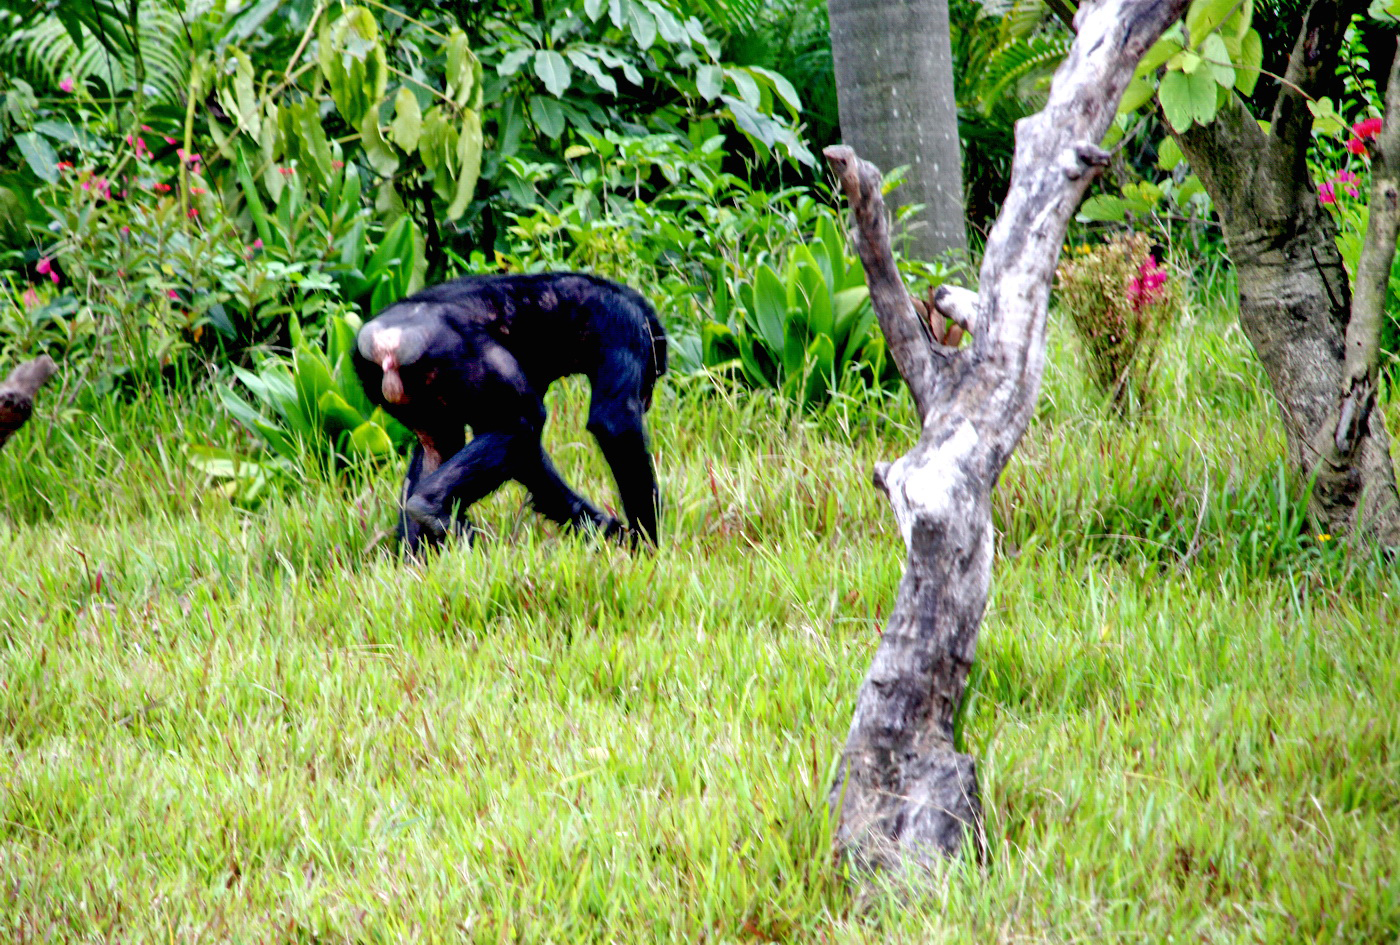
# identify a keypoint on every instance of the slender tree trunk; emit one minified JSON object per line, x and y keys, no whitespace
{"x":904,"y":793}
{"x":17,"y":393}
{"x":1295,"y":297}
{"x":894,"y":90}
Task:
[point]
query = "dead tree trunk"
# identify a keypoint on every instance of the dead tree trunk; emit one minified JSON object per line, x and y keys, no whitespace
{"x":1319,"y":349}
{"x":17,"y":393}
{"x":904,"y":794}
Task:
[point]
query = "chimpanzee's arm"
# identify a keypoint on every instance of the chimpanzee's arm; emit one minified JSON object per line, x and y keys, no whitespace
{"x":615,"y":419}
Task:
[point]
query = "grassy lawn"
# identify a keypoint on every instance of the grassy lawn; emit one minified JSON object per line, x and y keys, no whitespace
{"x":219,"y":724}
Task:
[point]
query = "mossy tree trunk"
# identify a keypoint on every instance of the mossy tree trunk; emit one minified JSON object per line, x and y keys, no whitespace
{"x":1318,"y":345}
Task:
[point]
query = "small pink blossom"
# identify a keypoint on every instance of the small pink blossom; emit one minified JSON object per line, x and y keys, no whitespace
{"x":160,"y":188}
{"x":65,"y":165}
{"x":169,"y":140}
{"x":174,"y":295}
{"x":258,"y":243}
{"x":126,"y":231}
{"x":1357,"y":146}
{"x":146,"y":128}
{"x":140,"y":145}
{"x":194,"y":212}
{"x":1146,"y":287}
{"x":31,"y":298}
{"x":66,"y":85}
{"x":45,"y":268}
{"x":1326,"y":193}
{"x":286,"y":171}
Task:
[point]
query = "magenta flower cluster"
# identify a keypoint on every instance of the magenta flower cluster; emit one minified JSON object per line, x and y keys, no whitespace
{"x":1146,"y":287}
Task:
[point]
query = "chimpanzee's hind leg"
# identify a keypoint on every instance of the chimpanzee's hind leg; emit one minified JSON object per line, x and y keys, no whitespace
{"x":615,"y":419}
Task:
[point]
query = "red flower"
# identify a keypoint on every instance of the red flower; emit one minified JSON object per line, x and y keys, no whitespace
{"x":160,"y":188}
{"x":45,"y":268}
{"x":1326,"y":193}
{"x":65,"y":165}
{"x":1367,"y":129}
{"x":1357,"y":146}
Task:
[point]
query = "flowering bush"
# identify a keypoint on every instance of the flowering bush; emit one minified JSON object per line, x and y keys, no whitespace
{"x":1121,"y":303}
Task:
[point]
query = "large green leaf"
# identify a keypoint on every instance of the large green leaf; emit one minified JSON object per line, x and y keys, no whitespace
{"x":39,"y":155}
{"x":770,"y":308}
{"x":553,"y":70}
{"x":337,"y":413}
{"x":408,"y":120}
{"x":1251,"y":60}
{"x":369,"y":439}
{"x":1203,"y":16}
{"x":821,"y":362}
{"x":469,"y":146}
{"x":794,"y":342}
{"x":1175,"y":95}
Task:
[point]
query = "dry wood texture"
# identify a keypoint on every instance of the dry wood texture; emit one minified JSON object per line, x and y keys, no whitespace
{"x":904,"y":794}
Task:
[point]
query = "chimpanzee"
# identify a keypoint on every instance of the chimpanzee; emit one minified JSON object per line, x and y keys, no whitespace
{"x":480,"y":352}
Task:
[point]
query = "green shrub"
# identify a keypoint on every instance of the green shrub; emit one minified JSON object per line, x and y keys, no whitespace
{"x":1121,"y":303}
{"x":311,"y":406}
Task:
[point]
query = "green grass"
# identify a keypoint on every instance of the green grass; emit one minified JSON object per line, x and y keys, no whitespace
{"x":228,"y":725}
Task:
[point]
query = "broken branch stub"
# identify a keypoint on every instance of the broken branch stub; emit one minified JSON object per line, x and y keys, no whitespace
{"x":903,"y":793}
{"x":17,"y":393}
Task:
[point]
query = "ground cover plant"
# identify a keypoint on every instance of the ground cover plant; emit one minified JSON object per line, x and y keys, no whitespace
{"x":219,"y":724}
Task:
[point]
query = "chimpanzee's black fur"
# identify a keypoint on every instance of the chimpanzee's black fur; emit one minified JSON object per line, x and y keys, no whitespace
{"x":480,"y":352}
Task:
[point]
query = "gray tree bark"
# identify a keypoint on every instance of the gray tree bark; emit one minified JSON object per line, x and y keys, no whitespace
{"x":904,"y":794}
{"x":17,"y":393}
{"x":1296,"y":305}
{"x":894,"y":91}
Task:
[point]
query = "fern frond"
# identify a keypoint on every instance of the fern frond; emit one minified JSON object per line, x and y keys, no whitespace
{"x":45,"y":54}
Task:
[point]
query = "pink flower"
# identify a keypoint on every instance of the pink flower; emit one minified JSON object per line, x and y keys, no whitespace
{"x":160,"y":188}
{"x":31,"y":298}
{"x":1346,"y":177}
{"x":146,"y":128}
{"x":1146,"y":287}
{"x":194,"y":212}
{"x":286,"y":171}
{"x":175,"y":295}
{"x":1325,"y":193}
{"x":140,"y":145}
{"x":45,"y":268}
{"x":169,"y":140}
{"x":257,"y":243}
{"x":1353,"y":192}
{"x":66,"y":85}
{"x":1357,"y":146}
{"x":65,"y":165}
{"x":126,"y":231}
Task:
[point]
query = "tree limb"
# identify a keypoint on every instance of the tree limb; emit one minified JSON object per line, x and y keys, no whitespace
{"x":1363,"y":336}
{"x":17,"y":393}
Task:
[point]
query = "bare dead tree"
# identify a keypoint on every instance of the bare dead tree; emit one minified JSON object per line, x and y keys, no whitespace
{"x":17,"y":393}
{"x":904,"y":794}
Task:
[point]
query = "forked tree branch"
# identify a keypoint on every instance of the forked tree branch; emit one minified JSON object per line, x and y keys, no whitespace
{"x":904,"y":794}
